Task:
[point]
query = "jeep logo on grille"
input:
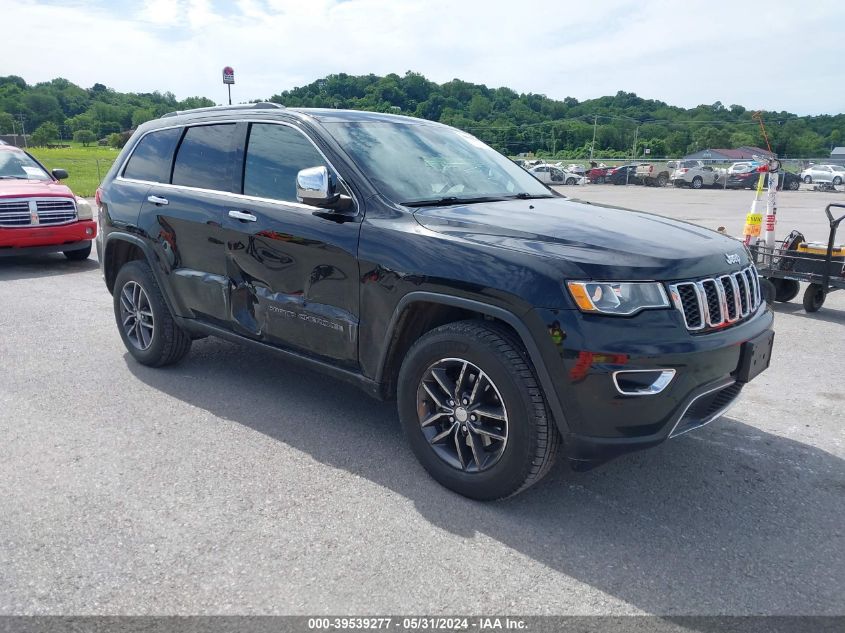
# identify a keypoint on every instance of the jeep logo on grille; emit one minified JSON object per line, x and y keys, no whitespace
{"x":732,"y":258}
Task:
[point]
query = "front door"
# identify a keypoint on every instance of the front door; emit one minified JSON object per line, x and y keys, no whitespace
{"x":292,"y":268}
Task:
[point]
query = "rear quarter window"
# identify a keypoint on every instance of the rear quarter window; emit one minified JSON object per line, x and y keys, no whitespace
{"x":153,"y":156}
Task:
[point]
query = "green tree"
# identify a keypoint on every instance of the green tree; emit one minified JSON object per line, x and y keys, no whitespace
{"x":740,"y":139}
{"x":45,"y":133}
{"x":7,"y":123}
{"x":115,"y":140}
{"x":86,"y":137}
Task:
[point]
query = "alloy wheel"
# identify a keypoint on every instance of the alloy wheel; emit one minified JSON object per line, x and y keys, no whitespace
{"x":136,"y":315}
{"x":462,"y":415}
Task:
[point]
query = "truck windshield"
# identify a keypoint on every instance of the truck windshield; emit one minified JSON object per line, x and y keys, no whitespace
{"x":18,"y":165}
{"x":416,"y":164}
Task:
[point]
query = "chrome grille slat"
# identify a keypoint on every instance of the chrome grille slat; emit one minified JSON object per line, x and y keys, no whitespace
{"x":37,"y":212}
{"x":718,"y":301}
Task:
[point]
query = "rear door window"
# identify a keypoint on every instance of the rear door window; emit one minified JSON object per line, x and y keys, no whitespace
{"x":206,"y":157}
{"x":153,"y":156}
{"x":274,"y":156}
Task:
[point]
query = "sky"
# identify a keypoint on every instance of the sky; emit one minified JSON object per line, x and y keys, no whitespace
{"x":774,"y":55}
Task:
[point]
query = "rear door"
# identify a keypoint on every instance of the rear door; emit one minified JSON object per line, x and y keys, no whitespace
{"x":185,"y":218}
{"x":292,"y":268}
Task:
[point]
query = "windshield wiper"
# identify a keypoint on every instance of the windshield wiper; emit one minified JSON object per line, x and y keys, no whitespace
{"x":449,"y":200}
{"x":531,"y":196}
{"x":14,"y":178}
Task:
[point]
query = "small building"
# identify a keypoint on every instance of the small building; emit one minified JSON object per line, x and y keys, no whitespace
{"x":745,"y":152}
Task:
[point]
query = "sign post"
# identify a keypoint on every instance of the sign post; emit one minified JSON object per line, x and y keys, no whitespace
{"x":229,"y":79}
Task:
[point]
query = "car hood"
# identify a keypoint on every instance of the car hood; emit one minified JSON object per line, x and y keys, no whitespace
{"x":591,"y":241}
{"x":27,"y":188}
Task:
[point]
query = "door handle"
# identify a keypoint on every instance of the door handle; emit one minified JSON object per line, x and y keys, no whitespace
{"x":243,"y":216}
{"x":157,"y":200}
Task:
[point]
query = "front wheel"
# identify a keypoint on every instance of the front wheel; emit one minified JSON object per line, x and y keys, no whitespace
{"x":570,"y":181}
{"x":144,"y":321}
{"x":794,"y":185}
{"x":79,"y":255}
{"x":837,"y":180}
{"x":473,"y":413}
{"x":697,"y":182}
{"x":814,"y":297}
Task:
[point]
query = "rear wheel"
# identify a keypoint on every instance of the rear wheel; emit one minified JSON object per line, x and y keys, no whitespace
{"x":144,"y":321}
{"x":697,"y":182}
{"x":473,"y":413}
{"x":837,"y":180}
{"x":814,"y":297}
{"x":662,"y":179}
{"x":570,"y":181}
{"x":794,"y":185}
{"x":80,"y":254}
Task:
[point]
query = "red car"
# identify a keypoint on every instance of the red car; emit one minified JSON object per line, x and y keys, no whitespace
{"x":38,"y":214}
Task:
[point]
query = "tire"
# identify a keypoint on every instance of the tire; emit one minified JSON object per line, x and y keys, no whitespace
{"x":768,"y":290}
{"x":697,"y":182}
{"x":837,"y":180}
{"x":814,"y":297}
{"x":601,"y":180}
{"x":526,"y":441}
{"x":79,"y":255}
{"x":794,"y":185}
{"x":570,"y":181}
{"x":662,"y":179}
{"x":158,"y":340}
{"x":808,"y":179}
{"x":786,"y":289}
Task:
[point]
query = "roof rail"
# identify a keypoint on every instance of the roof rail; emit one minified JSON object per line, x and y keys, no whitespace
{"x":261,"y":105}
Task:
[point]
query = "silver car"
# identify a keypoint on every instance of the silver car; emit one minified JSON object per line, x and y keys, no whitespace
{"x":834,"y":174}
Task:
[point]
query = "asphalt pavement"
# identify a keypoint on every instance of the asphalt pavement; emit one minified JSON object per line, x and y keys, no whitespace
{"x":235,"y":483}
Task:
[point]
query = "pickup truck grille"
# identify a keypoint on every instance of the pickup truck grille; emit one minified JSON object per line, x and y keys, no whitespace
{"x":719,"y":301}
{"x":36,"y":211}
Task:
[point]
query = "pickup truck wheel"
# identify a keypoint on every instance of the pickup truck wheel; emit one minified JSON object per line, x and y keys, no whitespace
{"x":808,"y":179}
{"x":79,"y":255}
{"x":697,"y":182}
{"x":473,"y":412}
{"x":143,"y":319}
{"x":662,"y":179}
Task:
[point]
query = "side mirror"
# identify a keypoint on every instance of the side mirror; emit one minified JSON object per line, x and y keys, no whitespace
{"x":59,"y":174}
{"x":314,"y":186}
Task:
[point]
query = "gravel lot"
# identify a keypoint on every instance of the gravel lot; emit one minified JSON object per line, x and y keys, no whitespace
{"x":236,"y":483}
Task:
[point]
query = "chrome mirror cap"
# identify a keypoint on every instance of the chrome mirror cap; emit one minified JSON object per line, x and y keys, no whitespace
{"x":314,"y":187}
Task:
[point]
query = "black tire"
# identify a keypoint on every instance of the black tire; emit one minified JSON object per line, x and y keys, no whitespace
{"x":795,"y":184}
{"x":697,"y":182}
{"x":531,"y":438}
{"x":768,"y":290}
{"x":837,"y":180}
{"x":808,"y":179}
{"x":601,"y":180}
{"x":814,"y":297}
{"x":168,"y":343}
{"x":79,"y":255}
{"x":786,"y":289}
{"x":570,"y":181}
{"x":662,"y":179}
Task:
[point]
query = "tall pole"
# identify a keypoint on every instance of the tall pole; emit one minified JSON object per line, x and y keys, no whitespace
{"x":633,"y":154}
{"x":593,"y":144}
{"x":229,"y":86}
{"x":23,"y":131}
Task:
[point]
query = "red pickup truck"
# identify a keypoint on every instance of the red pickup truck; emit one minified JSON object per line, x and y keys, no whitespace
{"x":38,"y":214}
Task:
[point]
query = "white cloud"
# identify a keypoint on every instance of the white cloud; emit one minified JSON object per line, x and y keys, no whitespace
{"x":679,"y":52}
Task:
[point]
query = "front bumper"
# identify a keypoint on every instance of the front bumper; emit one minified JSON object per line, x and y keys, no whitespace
{"x":582,"y":353}
{"x":47,"y":238}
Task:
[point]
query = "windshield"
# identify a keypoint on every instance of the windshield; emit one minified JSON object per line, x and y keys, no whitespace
{"x":418,"y":163}
{"x":18,"y":165}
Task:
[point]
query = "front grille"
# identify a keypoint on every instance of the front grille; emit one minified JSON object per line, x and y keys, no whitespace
{"x":717,"y":302}
{"x":37,"y":211}
{"x":707,"y":408}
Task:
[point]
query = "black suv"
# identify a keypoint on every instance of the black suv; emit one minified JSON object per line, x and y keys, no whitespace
{"x":414,"y":261}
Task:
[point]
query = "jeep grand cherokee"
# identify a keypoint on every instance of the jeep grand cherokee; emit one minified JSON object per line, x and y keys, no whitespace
{"x":414,"y":261}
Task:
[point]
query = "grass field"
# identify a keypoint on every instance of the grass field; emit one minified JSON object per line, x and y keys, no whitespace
{"x":86,"y":166}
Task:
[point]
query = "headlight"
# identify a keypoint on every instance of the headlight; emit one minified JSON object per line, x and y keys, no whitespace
{"x":83,"y":209}
{"x":622,"y":298}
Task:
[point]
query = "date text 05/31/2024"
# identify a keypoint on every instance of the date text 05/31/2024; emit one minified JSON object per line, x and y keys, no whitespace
{"x":417,"y":623}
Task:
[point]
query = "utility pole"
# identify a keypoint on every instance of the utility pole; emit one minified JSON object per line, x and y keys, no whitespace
{"x":633,"y":154}
{"x":23,"y":130}
{"x":593,"y":144}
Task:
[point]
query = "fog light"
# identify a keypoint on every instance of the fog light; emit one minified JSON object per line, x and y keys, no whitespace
{"x":642,"y":382}
{"x":89,"y":231}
